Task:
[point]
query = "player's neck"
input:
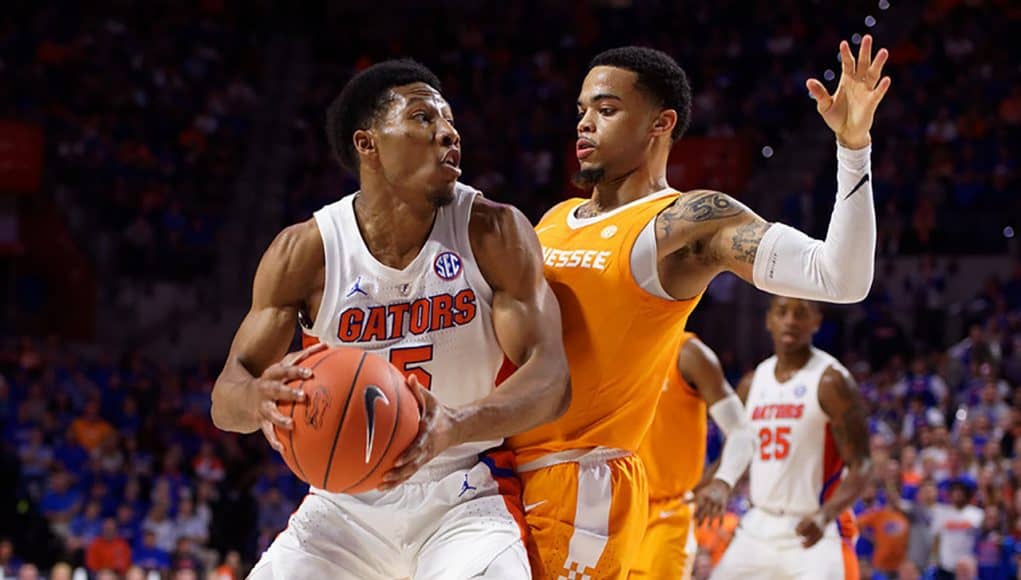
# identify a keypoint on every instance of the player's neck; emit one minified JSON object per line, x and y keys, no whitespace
{"x":613,"y":193}
{"x":789,"y":362}
{"x":394,"y":230}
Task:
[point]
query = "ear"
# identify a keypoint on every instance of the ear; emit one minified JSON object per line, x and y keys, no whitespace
{"x":365,"y":143}
{"x":664,"y":122}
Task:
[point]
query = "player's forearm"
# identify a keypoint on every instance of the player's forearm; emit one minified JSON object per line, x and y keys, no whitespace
{"x":739,"y":447}
{"x":849,"y":491}
{"x":839,"y":268}
{"x":229,"y":393}
{"x":537,"y":393}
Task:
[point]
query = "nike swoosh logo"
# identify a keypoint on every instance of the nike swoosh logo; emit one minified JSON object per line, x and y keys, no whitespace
{"x":861,"y":182}
{"x":372,"y":394}
{"x":532,"y":506}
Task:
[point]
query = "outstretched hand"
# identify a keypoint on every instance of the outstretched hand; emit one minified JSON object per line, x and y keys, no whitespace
{"x":849,"y":111}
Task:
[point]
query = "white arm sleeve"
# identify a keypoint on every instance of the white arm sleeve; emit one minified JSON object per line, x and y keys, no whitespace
{"x":737,"y":453}
{"x":839,"y":269}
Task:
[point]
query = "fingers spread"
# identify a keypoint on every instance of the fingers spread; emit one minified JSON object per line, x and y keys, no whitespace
{"x":846,"y":60}
{"x":876,"y":69}
{"x":864,"y":55}
{"x":270,"y":412}
{"x":271,"y":437}
{"x":880,"y":92}
{"x":305,"y":353}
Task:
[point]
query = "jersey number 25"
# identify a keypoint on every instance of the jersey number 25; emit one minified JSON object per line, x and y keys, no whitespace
{"x":774,"y":443}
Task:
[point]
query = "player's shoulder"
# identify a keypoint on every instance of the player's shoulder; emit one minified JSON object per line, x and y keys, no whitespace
{"x":559,"y":212}
{"x":297,"y":249}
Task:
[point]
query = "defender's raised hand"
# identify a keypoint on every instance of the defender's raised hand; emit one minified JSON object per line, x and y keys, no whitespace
{"x":850,"y":109}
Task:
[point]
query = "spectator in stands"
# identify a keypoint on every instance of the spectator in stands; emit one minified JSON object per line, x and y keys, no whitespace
{"x":90,"y":429}
{"x":185,"y":557}
{"x":85,"y":527}
{"x":191,"y":525}
{"x":956,"y":526}
{"x":28,"y":572}
{"x":161,"y":526}
{"x":230,"y":569}
{"x":60,"y":502}
{"x":108,"y":551}
{"x":887,"y":525}
{"x":920,"y":514}
{"x":9,"y":563}
{"x":149,"y":556}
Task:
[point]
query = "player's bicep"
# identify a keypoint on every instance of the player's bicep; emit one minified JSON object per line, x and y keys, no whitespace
{"x":281,"y":284}
{"x":700,"y":366}
{"x":842,"y":403}
{"x":737,"y":243}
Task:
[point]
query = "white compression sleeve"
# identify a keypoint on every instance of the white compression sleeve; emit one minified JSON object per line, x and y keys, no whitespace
{"x":739,"y":448}
{"x":839,"y":269}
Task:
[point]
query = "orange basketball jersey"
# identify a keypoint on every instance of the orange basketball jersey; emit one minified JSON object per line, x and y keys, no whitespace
{"x":673,"y":450}
{"x":619,"y":337}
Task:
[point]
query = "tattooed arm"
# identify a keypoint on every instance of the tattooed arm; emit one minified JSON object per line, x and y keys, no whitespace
{"x":840,"y":400}
{"x":777,"y":258}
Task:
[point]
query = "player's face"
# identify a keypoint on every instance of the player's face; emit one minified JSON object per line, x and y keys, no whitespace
{"x":792,"y":322}
{"x":417,"y":145}
{"x":615,"y":121}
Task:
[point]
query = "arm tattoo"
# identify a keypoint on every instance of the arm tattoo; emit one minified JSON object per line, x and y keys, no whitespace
{"x":697,"y":207}
{"x":745,"y":241}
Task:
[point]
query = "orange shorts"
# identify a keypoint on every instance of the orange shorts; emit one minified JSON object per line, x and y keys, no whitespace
{"x":586,"y":514}
{"x":668,"y":547}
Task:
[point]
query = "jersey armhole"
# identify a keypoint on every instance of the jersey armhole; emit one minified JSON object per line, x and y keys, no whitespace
{"x":326,"y":224}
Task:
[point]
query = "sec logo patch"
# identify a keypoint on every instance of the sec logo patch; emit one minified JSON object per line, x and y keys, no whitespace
{"x":447,"y":265}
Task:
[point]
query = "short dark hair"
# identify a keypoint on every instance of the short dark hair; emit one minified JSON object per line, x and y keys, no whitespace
{"x":364,"y":98}
{"x":659,"y":77}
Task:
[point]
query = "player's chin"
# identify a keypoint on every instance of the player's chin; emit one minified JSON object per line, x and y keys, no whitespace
{"x":442,"y":193}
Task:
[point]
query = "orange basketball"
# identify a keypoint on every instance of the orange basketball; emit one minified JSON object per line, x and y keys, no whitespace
{"x":357,"y":417}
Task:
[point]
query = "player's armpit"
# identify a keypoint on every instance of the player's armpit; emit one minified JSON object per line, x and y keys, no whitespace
{"x":289,"y":269}
{"x":526,"y":318}
{"x":842,"y":403}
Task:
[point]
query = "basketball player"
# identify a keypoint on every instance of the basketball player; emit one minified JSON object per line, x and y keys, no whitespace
{"x":812,"y":461}
{"x":630,"y":263}
{"x":673,"y":453}
{"x":426,"y":272}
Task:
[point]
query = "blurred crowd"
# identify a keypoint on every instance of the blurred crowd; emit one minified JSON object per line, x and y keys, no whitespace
{"x":109,"y":462}
{"x":112,"y":463}
{"x":145,"y":110}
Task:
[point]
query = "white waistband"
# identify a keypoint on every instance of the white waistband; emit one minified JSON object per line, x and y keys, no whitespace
{"x":579,"y":456}
{"x":782,"y":513}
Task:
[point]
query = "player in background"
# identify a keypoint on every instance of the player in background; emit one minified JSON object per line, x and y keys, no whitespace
{"x":426,"y":272}
{"x":812,"y":462}
{"x":629,"y":264}
{"x":673,"y":453}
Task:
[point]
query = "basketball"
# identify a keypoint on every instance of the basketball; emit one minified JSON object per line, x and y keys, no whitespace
{"x":357,"y":417}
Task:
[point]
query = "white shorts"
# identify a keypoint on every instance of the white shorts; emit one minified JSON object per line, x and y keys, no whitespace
{"x":440,"y":524}
{"x":766,"y":547}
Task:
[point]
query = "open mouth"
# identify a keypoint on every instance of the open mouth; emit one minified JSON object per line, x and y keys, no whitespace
{"x":583,"y":148}
{"x":452,"y":159}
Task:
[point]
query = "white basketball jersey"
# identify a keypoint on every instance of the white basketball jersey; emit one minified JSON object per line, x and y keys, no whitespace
{"x":432,"y":319}
{"x":797,"y":465}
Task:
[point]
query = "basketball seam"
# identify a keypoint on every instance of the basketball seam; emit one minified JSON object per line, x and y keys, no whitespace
{"x":343,"y":416}
{"x":301,"y":385}
{"x":390,"y":441}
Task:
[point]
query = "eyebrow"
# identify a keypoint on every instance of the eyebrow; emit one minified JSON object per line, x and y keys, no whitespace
{"x":603,"y":97}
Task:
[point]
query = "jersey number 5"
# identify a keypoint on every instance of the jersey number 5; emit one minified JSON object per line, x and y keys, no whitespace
{"x":780,"y":442}
{"x":409,"y":359}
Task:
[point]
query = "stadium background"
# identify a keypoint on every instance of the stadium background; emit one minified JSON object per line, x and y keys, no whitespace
{"x":150,"y":150}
